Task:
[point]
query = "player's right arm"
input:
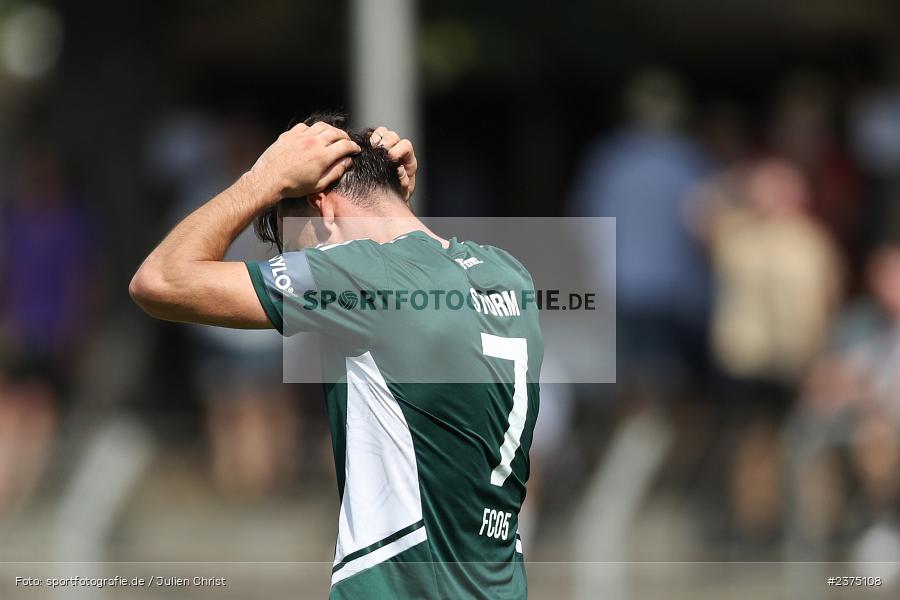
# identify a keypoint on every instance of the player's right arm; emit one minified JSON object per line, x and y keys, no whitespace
{"x":185,"y":279}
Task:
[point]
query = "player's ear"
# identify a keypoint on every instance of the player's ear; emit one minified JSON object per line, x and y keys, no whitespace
{"x":322,"y":205}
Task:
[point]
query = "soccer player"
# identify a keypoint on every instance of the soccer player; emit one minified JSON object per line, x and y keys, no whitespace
{"x":431,"y":354}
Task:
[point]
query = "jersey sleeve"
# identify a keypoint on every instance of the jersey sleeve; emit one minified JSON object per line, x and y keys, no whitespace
{"x":329,"y":290}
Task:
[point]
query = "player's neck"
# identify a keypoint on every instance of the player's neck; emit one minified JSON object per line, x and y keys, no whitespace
{"x":389,"y":220}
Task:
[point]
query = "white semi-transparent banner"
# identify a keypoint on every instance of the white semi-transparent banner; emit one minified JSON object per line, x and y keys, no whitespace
{"x":573,"y":580}
{"x":426,"y":312}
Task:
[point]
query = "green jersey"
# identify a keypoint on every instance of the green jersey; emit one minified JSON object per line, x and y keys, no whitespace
{"x":431,"y":361}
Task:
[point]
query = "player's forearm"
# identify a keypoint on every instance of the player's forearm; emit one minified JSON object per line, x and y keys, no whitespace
{"x":207,"y":233}
{"x":169,"y":275}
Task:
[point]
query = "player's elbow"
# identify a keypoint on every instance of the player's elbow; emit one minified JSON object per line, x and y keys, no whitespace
{"x":150,"y":291}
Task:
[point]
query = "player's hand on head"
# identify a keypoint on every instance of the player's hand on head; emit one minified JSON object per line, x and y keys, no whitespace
{"x":400,"y":150}
{"x":306,"y":159}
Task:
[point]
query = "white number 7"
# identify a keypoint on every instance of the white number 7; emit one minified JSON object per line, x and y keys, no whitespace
{"x":516,"y":350}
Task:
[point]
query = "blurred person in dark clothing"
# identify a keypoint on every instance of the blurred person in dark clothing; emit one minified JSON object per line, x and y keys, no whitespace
{"x":251,"y":416}
{"x":778,"y":282}
{"x":803,"y":131}
{"x":47,"y":249}
{"x":723,"y":131}
{"x":847,"y":426}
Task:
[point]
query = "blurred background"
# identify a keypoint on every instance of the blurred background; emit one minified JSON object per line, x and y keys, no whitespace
{"x":750,"y":152}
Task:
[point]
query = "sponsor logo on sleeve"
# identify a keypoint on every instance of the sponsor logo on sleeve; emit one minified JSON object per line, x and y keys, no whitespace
{"x":280,"y":275}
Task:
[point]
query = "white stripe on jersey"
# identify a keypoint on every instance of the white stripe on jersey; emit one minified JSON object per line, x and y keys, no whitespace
{"x":381,"y":478}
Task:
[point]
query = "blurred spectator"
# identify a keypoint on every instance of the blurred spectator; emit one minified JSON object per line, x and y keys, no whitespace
{"x":47,"y":254}
{"x":847,"y":428}
{"x":778,"y":282}
{"x":803,"y":131}
{"x":644,"y":176}
{"x":874,"y":130}
{"x":251,"y":416}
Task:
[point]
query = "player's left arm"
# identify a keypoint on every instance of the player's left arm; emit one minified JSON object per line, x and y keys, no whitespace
{"x":184,"y":278}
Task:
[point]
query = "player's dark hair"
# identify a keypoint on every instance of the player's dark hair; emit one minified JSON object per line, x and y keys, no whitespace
{"x":372,"y":170}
